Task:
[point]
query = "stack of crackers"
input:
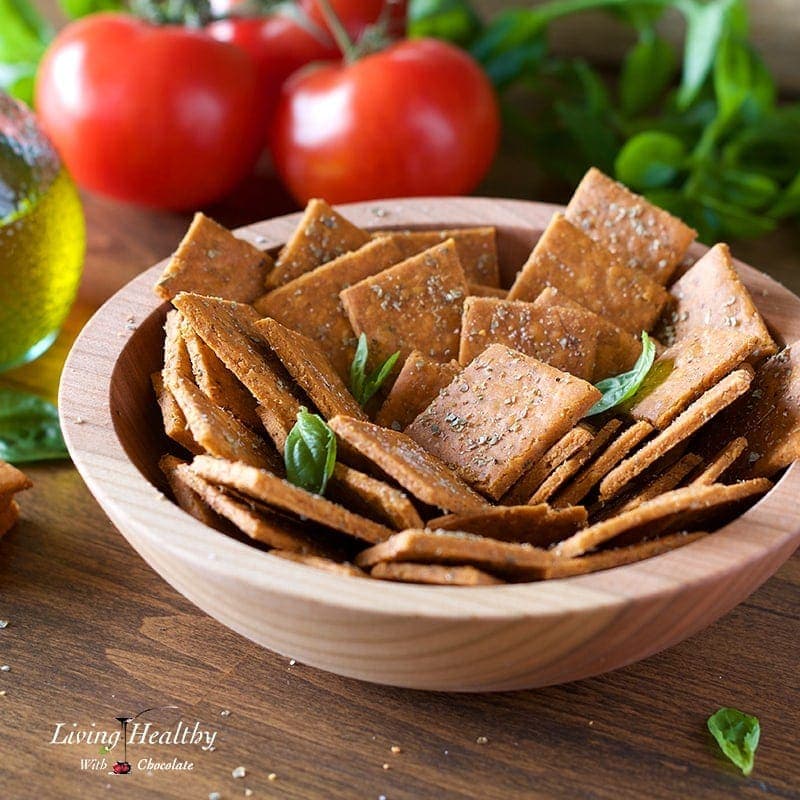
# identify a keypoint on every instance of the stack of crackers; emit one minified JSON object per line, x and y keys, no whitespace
{"x":12,"y":481}
{"x":476,"y":463}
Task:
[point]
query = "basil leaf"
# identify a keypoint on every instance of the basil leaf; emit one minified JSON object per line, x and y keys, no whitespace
{"x":29,"y":429}
{"x":647,"y":71}
{"x":741,"y":81}
{"x":23,"y":38}
{"x":650,"y":160}
{"x":622,"y":387}
{"x":737,"y":735}
{"x":453,"y":20}
{"x":364,"y":386}
{"x":75,"y":9}
{"x":310,"y":452}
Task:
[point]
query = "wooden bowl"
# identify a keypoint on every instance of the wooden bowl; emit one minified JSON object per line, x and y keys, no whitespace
{"x":444,"y":638}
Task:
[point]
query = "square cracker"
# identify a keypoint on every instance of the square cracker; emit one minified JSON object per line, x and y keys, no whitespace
{"x":321,"y":235}
{"x":562,"y":337}
{"x":307,"y":364}
{"x":566,"y":470}
{"x":711,"y":294}
{"x":602,"y":464}
{"x":410,"y":465}
{"x":769,"y":417}
{"x":259,"y":524}
{"x":619,"y":556}
{"x":186,"y":497}
{"x":12,"y":480}
{"x":707,"y":406}
{"x":680,"y":509}
{"x":173,"y":418}
{"x":415,"y":305}
{"x":638,"y":233}
{"x":502,"y":413}
{"x":617,"y":350}
{"x":229,"y":330}
{"x":216,"y":381}
{"x":177,"y":363}
{"x":262,"y":485}
{"x":666,"y":481}
{"x":476,"y":248}
{"x":567,"y":259}
{"x":720,"y":463}
{"x":9,"y":516}
{"x":419,"y":381}
{"x":218,"y":432}
{"x":211,"y":260}
{"x":520,"y":561}
{"x":569,"y":444}
{"x":687,"y":369}
{"x":538,"y":525}
{"x":320,"y":562}
{"x":434,"y":574}
{"x":310,"y":304}
{"x":373,"y":498}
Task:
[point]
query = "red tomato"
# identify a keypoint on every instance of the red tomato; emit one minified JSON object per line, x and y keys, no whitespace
{"x":419,"y":118}
{"x":278,"y":45}
{"x":355,"y":15}
{"x":161,"y":116}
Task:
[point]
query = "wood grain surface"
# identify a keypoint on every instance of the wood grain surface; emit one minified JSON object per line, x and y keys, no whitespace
{"x":93,"y":633}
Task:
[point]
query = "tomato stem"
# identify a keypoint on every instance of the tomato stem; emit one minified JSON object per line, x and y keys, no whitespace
{"x":340,"y":35}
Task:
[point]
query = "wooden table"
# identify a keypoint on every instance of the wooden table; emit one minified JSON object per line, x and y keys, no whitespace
{"x":94,"y":633}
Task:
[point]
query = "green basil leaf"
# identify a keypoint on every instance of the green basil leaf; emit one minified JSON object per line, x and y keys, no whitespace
{"x":741,"y":81}
{"x":310,"y":452}
{"x":737,"y":735}
{"x":364,"y":386}
{"x":618,"y":389}
{"x":452,"y":20}
{"x":29,"y":429}
{"x":788,"y":204}
{"x":650,"y":160}
{"x":23,"y":39}
{"x":75,"y":9}
{"x":646,"y":73}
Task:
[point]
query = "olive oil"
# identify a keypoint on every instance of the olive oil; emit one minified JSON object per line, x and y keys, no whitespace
{"x":42,"y":238}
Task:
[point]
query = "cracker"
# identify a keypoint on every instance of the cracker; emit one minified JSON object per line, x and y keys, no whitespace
{"x":538,"y":525}
{"x":501,"y":414}
{"x":721,"y":462}
{"x":259,"y":524}
{"x":619,"y":556}
{"x":176,"y":356}
{"x":416,"y":470}
{"x":370,"y":497}
{"x":689,"y":422}
{"x":415,"y":305}
{"x":211,"y":260}
{"x":321,"y":235}
{"x":638,"y":233}
{"x":173,"y":418}
{"x":569,"y":444}
{"x":520,"y":561}
{"x":275,"y":492}
{"x":668,"y":480}
{"x":216,"y":381}
{"x":480,"y":290}
{"x":218,"y":432}
{"x":562,"y":473}
{"x":9,"y":516}
{"x":311,"y":305}
{"x":597,"y":469}
{"x":12,"y":480}
{"x":617,"y":350}
{"x":186,"y":497}
{"x":567,"y":259}
{"x":687,"y":369}
{"x":307,"y":364}
{"x":711,"y":294}
{"x":319,"y":562}
{"x":769,"y":417}
{"x":229,"y":330}
{"x":561,"y":337}
{"x":476,"y":248}
{"x":433,"y":574}
{"x":419,"y":381}
{"x":681,"y":509}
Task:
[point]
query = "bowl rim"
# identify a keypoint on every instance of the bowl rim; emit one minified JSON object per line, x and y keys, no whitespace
{"x":166,"y":535}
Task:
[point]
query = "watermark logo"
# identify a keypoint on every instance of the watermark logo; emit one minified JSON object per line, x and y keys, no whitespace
{"x":137,"y":733}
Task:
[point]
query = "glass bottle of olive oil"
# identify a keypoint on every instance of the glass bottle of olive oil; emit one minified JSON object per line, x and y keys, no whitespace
{"x":42,"y":238}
